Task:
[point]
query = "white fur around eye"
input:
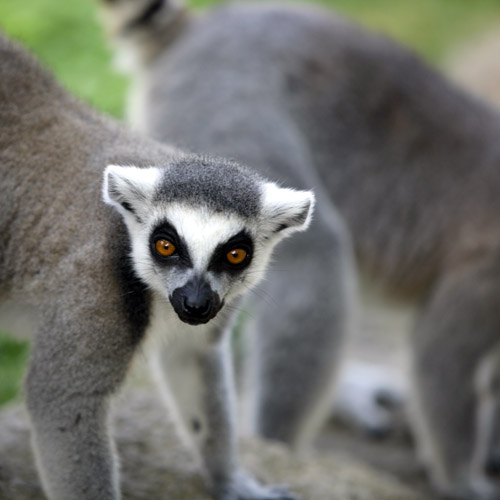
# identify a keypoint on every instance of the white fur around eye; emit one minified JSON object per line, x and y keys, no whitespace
{"x":203,"y":230}
{"x":200,"y":230}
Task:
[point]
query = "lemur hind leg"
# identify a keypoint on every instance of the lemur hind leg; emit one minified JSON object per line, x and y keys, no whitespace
{"x":301,"y":319}
{"x":459,"y":324}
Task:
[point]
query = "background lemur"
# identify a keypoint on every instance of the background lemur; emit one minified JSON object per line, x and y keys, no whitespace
{"x":411,"y":162}
{"x":184,"y":237}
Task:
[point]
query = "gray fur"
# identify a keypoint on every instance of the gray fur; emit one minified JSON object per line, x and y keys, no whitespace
{"x":411,"y":162}
{"x":67,"y":258}
{"x":203,"y":181}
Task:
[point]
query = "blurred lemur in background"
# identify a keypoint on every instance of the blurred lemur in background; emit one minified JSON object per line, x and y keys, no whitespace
{"x":412,"y":163}
{"x":183,"y":237}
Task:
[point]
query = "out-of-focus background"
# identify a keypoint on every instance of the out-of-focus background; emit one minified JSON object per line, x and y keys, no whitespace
{"x":66,"y":37}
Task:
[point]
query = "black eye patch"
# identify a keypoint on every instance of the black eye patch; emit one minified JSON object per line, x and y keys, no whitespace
{"x":241,"y":242}
{"x":165,"y":231}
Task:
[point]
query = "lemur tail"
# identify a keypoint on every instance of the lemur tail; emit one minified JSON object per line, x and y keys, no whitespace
{"x":140,"y":29}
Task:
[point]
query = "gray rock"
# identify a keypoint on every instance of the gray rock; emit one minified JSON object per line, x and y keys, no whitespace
{"x":155,"y":465}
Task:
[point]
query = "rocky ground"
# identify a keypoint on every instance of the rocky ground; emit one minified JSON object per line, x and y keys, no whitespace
{"x":156,"y":466}
{"x":392,"y":455}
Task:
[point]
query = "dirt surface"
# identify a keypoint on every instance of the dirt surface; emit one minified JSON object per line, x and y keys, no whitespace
{"x":392,"y":455}
{"x":156,"y":466}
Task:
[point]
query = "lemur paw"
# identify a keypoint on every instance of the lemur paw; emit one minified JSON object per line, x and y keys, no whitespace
{"x":244,"y":487}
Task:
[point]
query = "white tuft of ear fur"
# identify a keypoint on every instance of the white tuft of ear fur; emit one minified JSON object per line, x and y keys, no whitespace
{"x":286,"y":210}
{"x":126,"y":187}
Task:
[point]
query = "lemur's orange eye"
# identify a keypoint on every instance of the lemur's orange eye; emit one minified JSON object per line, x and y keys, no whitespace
{"x":236,"y":256}
{"x":165,"y":248}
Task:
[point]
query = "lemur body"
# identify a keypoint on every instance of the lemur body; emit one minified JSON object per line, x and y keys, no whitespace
{"x":411,"y":162}
{"x":184,"y":236}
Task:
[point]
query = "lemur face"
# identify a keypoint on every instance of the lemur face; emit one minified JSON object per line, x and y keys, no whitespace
{"x":199,"y":259}
{"x":202,"y":234}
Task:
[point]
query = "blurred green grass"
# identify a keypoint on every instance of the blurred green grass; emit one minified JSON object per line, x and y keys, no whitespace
{"x":66,"y":37}
{"x":13,"y":356}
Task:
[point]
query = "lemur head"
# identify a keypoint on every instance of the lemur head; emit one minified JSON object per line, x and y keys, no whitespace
{"x":202,"y":230}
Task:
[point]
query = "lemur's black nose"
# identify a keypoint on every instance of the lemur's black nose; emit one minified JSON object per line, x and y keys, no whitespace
{"x":195,"y":302}
{"x":197,"y":307}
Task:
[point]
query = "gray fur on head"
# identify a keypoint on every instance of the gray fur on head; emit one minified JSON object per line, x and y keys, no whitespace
{"x":222,"y":185}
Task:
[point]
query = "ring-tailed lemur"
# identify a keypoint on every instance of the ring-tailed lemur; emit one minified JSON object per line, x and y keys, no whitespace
{"x":197,"y":233}
{"x":411,"y":162}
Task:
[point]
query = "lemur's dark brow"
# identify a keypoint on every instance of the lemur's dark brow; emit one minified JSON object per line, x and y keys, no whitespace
{"x":166,"y":227}
{"x":243,"y":236}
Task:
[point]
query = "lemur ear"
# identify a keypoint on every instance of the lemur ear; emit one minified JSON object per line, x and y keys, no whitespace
{"x":127,"y":187}
{"x":286,"y":210}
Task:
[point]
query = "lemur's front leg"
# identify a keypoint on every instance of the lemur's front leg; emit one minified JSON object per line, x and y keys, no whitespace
{"x":69,"y":384}
{"x":196,"y":373}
